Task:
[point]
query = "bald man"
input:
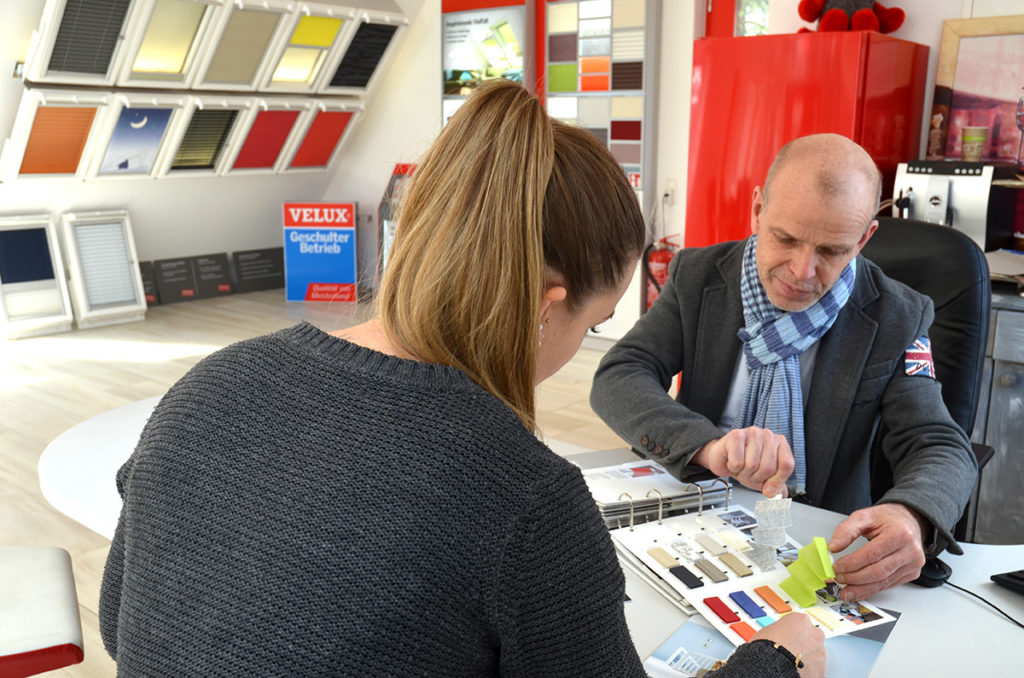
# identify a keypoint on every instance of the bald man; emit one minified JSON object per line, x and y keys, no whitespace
{"x":805,"y":371}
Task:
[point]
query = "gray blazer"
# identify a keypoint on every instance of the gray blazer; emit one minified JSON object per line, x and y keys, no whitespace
{"x":873,"y":434}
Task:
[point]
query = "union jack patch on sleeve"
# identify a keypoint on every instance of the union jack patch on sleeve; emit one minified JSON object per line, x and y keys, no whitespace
{"x":918,"y":359}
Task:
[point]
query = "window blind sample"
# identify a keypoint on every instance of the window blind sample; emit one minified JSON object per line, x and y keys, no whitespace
{"x":298,"y":64}
{"x":87,"y":36}
{"x":57,"y":140}
{"x":168,"y":39}
{"x":364,"y":53}
{"x":135,"y":141}
{"x":321,"y":139}
{"x":242,"y":46}
{"x":266,"y":139}
{"x":24,"y":256}
{"x":106,"y":264}
{"x":204,"y":139}
{"x":302,"y":59}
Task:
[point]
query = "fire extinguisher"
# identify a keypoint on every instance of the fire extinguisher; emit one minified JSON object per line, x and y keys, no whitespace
{"x":657,"y":257}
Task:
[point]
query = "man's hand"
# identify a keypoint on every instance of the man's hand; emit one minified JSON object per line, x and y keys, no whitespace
{"x":755,"y":457}
{"x":893,"y":555}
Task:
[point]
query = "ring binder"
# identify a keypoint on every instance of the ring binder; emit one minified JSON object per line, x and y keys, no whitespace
{"x":661,"y":501}
{"x":629,"y":497}
{"x":728,"y":489}
{"x":700,"y":498}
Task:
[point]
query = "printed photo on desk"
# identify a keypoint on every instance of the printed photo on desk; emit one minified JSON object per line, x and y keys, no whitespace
{"x":697,"y":647}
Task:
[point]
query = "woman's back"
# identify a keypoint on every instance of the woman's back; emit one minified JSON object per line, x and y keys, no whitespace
{"x":299,"y":505}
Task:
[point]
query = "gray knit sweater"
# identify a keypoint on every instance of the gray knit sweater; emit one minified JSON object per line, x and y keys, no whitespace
{"x":301,"y":506}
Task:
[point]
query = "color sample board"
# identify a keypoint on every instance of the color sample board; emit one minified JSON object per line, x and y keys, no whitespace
{"x":595,"y":72}
{"x":708,"y":564}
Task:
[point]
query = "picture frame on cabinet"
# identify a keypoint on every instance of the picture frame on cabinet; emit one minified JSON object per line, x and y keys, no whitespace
{"x":978,"y":82}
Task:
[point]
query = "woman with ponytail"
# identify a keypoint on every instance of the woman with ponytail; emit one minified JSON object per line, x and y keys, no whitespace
{"x":374,"y":501}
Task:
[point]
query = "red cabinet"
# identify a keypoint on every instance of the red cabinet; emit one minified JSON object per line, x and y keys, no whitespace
{"x":751,"y":95}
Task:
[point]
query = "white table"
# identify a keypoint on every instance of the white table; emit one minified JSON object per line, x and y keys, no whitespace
{"x":77,"y":469}
{"x":942,"y":631}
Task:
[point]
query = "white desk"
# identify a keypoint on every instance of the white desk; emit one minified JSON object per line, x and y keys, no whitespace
{"x":942,"y":631}
{"x":77,"y":470}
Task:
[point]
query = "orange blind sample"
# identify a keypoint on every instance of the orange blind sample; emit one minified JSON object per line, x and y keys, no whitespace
{"x":57,"y":140}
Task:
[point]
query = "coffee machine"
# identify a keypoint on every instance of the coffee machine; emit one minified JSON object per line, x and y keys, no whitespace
{"x":961,"y":195}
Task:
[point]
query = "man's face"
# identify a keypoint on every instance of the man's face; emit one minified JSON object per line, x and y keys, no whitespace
{"x":804,"y":239}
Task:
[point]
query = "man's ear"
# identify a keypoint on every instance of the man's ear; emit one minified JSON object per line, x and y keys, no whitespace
{"x":756,"y":207}
{"x":868,"y":232}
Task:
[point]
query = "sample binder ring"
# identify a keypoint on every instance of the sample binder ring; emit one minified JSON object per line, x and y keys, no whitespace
{"x":661,"y":501}
{"x":629,"y":497}
{"x":700,"y":498}
{"x":728,"y":489}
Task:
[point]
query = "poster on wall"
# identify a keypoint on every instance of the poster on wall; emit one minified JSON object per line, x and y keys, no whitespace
{"x":320,"y":251}
{"x":480,"y":45}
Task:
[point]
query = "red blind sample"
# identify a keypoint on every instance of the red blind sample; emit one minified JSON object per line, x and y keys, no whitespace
{"x":321,"y":139}
{"x":266,"y":138}
{"x":57,"y":140}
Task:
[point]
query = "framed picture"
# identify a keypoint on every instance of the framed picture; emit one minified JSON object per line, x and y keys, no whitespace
{"x":979,"y":83}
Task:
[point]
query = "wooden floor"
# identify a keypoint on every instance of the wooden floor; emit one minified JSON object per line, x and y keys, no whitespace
{"x":50,"y":383}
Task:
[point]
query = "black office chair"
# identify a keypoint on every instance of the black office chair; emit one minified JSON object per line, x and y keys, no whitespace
{"x":950,"y":268}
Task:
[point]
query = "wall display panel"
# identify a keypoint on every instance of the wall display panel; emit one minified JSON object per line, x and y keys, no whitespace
{"x":243,"y":39}
{"x":321,"y":141}
{"x":164,"y":54}
{"x":267,"y":138}
{"x":479,"y":45}
{"x":596,"y":59}
{"x":206,"y":137}
{"x":33,"y":291}
{"x":106,"y":286}
{"x":78,"y":42}
{"x":137,"y":133}
{"x":367,"y":49}
{"x":53,"y":133}
{"x":312,"y":39}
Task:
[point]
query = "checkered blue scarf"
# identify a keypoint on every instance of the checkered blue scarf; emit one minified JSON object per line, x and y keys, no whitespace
{"x":773,"y":340}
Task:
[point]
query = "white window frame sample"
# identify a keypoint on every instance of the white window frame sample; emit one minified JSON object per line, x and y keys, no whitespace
{"x":44,"y":40}
{"x":383,"y":12}
{"x":303,"y":126}
{"x":104,"y":134}
{"x":306,"y":108}
{"x":13,"y":152}
{"x":342,"y":9}
{"x":176,"y":134}
{"x":49,"y":299}
{"x":124,"y":266}
{"x":284,"y":8}
{"x":140,"y":20}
